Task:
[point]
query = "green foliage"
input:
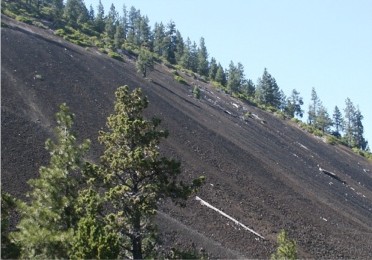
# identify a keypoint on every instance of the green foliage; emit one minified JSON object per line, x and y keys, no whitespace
{"x":286,"y":247}
{"x":135,"y":175}
{"x":180,"y":80}
{"x":196,"y":92}
{"x":23,"y":19}
{"x":115,"y":56}
{"x":47,"y":221}
{"x":332,"y":140}
{"x":94,"y":237}
{"x":9,"y":250}
{"x":145,"y":62}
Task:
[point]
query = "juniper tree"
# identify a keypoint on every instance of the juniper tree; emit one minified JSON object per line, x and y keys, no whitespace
{"x":48,"y":220}
{"x":135,"y":174}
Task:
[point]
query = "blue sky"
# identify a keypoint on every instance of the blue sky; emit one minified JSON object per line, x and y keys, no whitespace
{"x":326,"y":44}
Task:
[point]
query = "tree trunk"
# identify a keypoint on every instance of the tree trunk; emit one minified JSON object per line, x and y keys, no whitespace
{"x":137,"y":238}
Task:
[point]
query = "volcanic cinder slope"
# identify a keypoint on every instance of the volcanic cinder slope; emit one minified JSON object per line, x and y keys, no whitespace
{"x":260,"y":170}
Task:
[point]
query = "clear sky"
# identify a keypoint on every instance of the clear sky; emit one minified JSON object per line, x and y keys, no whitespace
{"x":326,"y":44}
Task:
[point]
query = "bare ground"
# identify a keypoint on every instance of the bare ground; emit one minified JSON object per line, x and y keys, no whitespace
{"x":261,"y":170}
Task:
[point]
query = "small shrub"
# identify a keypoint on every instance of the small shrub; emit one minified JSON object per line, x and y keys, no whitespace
{"x":39,"y":24}
{"x":23,"y":19}
{"x":196,"y":92}
{"x":332,"y":140}
{"x":180,"y":80}
{"x":60,"y":32}
{"x":286,"y":247}
{"x":115,"y":56}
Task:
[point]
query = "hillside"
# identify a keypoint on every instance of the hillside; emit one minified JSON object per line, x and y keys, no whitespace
{"x":262,"y":171}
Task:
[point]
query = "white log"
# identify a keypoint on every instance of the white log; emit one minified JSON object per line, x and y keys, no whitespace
{"x":203,"y":202}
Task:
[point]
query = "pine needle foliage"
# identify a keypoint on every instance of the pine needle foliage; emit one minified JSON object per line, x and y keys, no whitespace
{"x":286,"y":247}
{"x":48,"y":220}
{"x":135,"y":174}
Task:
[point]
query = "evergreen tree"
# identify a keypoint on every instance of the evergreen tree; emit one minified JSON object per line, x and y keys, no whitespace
{"x":213,"y":69}
{"x":145,"y":62}
{"x":48,"y":221}
{"x":134,"y":23}
{"x":159,"y":36}
{"x":111,"y":21}
{"x":180,"y":47}
{"x":9,"y":250}
{"x":194,"y":57}
{"x":119,"y":36}
{"x":100,"y":18}
{"x":358,"y":131}
{"x":95,"y":236}
{"x":323,"y":121}
{"x":135,"y":174}
{"x":338,"y":122}
{"x":203,"y":66}
{"x":221,"y":75}
{"x":267,"y":91}
{"x":169,"y":43}
{"x":91,"y":14}
{"x":186,"y":55}
{"x":349,"y":122}
{"x":248,"y":88}
{"x":294,"y":103}
{"x":235,"y":77}
{"x":145,"y":33}
{"x":313,"y":107}
{"x":124,"y":22}
{"x":75,"y":12}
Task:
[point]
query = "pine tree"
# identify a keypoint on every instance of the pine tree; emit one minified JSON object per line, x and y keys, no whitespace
{"x":338,"y":122}
{"x":159,"y":36}
{"x":213,"y":69}
{"x":111,"y":21}
{"x":75,"y":12}
{"x":313,"y":107}
{"x":221,"y":75}
{"x":145,"y":62}
{"x":180,"y":47}
{"x":9,"y":250}
{"x":95,"y":236}
{"x":203,"y":66}
{"x":294,"y":103}
{"x":267,"y":91}
{"x":323,"y":121}
{"x":135,"y":174}
{"x":358,"y":131}
{"x":100,"y":18}
{"x":119,"y":36}
{"x":48,"y":221}
{"x":349,"y":121}
{"x":186,"y":55}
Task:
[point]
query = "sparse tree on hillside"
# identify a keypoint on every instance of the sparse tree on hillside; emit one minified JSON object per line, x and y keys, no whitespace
{"x":338,"y":122}
{"x":323,"y":121}
{"x":48,"y":221}
{"x":235,"y":77}
{"x":358,"y":131}
{"x":293,"y":106}
{"x":221,"y":75}
{"x":159,"y":36}
{"x":267,"y":90}
{"x":134,"y":173}
{"x":249,"y":88}
{"x":313,"y":107}
{"x":100,"y":18}
{"x":111,"y":21}
{"x":145,"y":62}
{"x":213,"y":69}
{"x":349,"y":120}
{"x":203,"y":65}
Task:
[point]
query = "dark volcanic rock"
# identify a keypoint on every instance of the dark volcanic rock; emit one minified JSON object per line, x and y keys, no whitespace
{"x":262,"y":171}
